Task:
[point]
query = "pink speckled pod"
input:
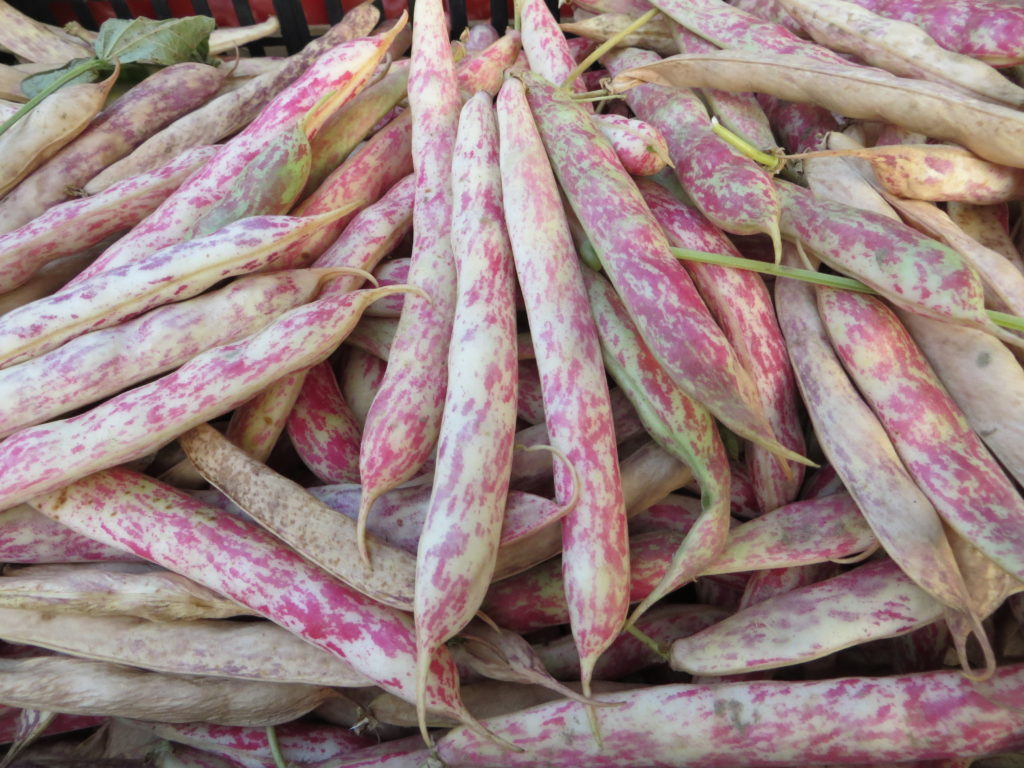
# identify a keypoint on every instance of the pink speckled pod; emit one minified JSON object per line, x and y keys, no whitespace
{"x":343,"y":70}
{"x":741,"y":304}
{"x":731,"y":190}
{"x":857,"y":446}
{"x":35,"y":460}
{"x":913,"y":271}
{"x":360,"y":379}
{"x":103,"y":362}
{"x":545,"y":45}
{"x":871,"y":602}
{"x":984,"y":29}
{"x":763,"y":724}
{"x":28,"y":537}
{"x":459,"y":542}
{"x":943,"y":454}
{"x":300,"y":742}
{"x":323,"y":430}
{"x":678,"y":423}
{"x":144,"y":109}
{"x":231,"y":112}
{"x":403,"y":422}
{"x":75,"y":225}
{"x":175,"y":273}
{"x":579,"y":419}
{"x":655,"y":288}
{"x":641,"y":148}
{"x":152,"y":519}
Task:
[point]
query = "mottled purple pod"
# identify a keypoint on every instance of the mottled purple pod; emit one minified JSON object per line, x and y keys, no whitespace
{"x":146,"y":108}
{"x":459,"y":543}
{"x":941,"y":451}
{"x":577,"y":406}
{"x":72,"y":226}
{"x":741,"y":304}
{"x":656,"y":289}
{"x":323,"y":430}
{"x":731,"y":190}
{"x":764,"y":723}
{"x":641,"y":148}
{"x":230,"y":112}
{"x":403,"y":423}
{"x":140,"y":420}
{"x":857,"y":446}
{"x":871,"y":602}
{"x":150,"y":518}
{"x":103,"y":362}
{"x":677,"y":423}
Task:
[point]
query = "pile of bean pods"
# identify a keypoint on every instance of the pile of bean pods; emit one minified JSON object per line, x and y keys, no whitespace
{"x":636,"y":388}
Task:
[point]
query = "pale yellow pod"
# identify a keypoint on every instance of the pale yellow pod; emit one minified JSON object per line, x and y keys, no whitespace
{"x":899,"y":47}
{"x":226,"y":39}
{"x":45,"y":130}
{"x":32,"y":41}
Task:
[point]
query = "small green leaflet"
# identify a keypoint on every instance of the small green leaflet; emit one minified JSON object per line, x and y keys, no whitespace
{"x":137,"y":41}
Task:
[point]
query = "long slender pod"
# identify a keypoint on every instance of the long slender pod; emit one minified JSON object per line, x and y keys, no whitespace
{"x":231,"y":112}
{"x":545,"y":46}
{"x":77,"y":224}
{"x":459,"y":542}
{"x":715,"y":176}
{"x":984,"y":378}
{"x":147,"y":107}
{"x":856,"y":719}
{"x":252,"y":651}
{"x":151,"y":519}
{"x":341,"y":72}
{"x":991,"y":131}
{"x":908,"y":268}
{"x":28,"y":537}
{"x":573,"y":384}
{"x":402,"y":425}
{"x":943,"y":454}
{"x":856,"y":444}
{"x":140,"y":420}
{"x":657,"y":291}
{"x":103,"y":362}
{"x":680,"y":425}
{"x":742,"y":306}
{"x":290,"y":513}
{"x":871,"y":602}
{"x":173,"y":274}
{"x":368,"y":237}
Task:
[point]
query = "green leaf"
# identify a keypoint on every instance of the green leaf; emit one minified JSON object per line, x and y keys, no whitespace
{"x":171,"y":41}
{"x":35,"y":84}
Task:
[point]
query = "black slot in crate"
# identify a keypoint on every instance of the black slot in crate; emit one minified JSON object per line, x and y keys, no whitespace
{"x":296,"y":30}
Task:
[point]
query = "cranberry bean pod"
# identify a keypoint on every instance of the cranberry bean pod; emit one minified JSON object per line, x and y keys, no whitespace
{"x":231,"y":112}
{"x":943,"y":454}
{"x":175,"y":273}
{"x":657,"y":291}
{"x":459,"y":542}
{"x":106,"y":361}
{"x":764,"y":723}
{"x":70,"y":227}
{"x":577,"y":406}
{"x":741,"y":304}
{"x":139,"y":421}
{"x":143,"y":110}
{"x":342,"y":72}
{"x":119,"y":506}
{"x":899,"y":513}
